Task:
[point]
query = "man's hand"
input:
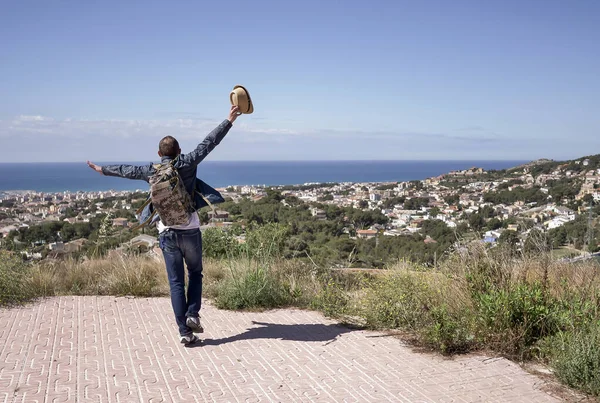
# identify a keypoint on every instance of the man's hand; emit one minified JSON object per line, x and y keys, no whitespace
{"x":234,"y":112}
{"x":95,"y":167}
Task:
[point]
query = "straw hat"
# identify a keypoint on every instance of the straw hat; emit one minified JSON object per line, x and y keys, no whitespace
{"x":241,"y":97}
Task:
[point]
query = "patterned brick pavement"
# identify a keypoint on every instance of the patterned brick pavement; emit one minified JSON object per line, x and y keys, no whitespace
{"x":106,"y":349}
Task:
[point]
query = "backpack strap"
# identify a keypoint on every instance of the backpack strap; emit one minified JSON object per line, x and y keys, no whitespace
{"x":207,"y":202}
{"x":145,"y":222}
{"x":143,"y":206}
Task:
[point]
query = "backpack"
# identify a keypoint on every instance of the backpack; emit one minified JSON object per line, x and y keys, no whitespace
{"x":169,"y":198}
{"x":204,"y":195}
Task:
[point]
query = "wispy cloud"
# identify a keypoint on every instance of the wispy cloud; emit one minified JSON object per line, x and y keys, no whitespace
{"x":191,"y":127}
{"x":30,"y":118}
{"x":402,"y":135}
{"x":42,"y":138}
{"x":80,"y":128}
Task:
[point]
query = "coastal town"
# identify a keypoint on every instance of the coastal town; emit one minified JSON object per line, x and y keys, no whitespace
{"x":473,"y":198}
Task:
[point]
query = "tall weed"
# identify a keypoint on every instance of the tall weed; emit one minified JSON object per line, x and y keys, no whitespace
{"x":13,"y":279}
{"x":250,"y":285}
{"x":255,"y":284}
{"x":577,"y":359}
{"x":332,"y":299}
{"x":397,"y":300}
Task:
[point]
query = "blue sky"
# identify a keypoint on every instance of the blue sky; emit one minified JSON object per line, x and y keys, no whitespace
{"x":394,"y":80}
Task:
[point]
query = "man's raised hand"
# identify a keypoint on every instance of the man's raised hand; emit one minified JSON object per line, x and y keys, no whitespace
{"x":234,"y":112}
{"x":95,"y":167}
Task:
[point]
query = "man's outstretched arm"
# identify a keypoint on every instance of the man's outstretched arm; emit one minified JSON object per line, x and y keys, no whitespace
{"x":212,"y":140}
{"x":122,"y":171}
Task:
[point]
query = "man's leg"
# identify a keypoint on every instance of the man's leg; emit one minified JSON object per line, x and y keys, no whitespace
{"x":191,"y":247}
{"x":175,"y":272}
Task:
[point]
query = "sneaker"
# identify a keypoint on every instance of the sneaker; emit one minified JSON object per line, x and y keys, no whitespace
{"x":194,"y":324}
{"x":189,"y":339}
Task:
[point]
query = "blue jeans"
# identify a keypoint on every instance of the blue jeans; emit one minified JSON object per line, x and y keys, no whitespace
{"x":179,"y":246}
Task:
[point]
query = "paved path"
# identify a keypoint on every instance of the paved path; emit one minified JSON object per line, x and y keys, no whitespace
{"x":106,"y":349}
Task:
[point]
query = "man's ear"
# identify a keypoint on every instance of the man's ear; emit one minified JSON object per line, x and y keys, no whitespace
{"x":179,"y":151}
{"x":159,"y":154}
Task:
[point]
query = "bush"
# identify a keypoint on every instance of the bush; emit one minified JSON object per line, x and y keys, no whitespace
{"x":577,"y":360}
{"x":397,"y":300}
{"x":217,"y":243}
{"x":13,"y":280}
{"x":250,"y":285}
{"x":332,"y":299}
{"x":450,"y":332}
{"x":266,"y":241}
{"x":514,"y":319}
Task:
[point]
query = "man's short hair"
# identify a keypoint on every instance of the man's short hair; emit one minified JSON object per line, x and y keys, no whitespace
{"x":169,"y":147}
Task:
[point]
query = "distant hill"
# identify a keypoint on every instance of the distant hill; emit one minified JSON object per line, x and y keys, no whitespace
{"x":540,"y":161}
{"x":544,"y":165}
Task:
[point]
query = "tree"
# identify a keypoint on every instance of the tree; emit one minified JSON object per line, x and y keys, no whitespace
{"x":536,"y":242}
{"x":416,"y":203}
{"x":387,"y":187}
{"x":393,"y":201}
{"x":509,"y":237}
{"x":434,"y":212}
{"x":418,"y":185}
{"x":558,"y":237}
{"x":493,"y":224}
{"x":452,"y":199}
{"x":476,"y":222}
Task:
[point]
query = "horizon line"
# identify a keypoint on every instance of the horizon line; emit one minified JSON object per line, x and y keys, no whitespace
{"x":254,"y":161}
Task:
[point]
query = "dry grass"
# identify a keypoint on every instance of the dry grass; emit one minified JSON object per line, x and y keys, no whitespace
{"x":288,"y":282}
{"x":114,"y":275}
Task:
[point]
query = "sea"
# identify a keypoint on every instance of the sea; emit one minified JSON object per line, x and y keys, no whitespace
{"x":77,"y":176}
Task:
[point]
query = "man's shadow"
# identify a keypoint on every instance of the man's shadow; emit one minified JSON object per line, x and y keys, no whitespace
{"x":317,"y":332}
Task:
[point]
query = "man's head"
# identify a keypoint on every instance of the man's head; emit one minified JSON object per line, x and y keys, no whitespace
{"x":169,"y":147}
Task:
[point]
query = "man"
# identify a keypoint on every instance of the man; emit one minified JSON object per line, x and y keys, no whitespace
{"x":181,"y":242}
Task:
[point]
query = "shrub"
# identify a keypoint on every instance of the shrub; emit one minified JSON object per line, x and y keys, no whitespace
{"x":397,"y":300}
{"x":577,"y":360}
{"x":450,"y":332}
{"x":13,"y":279}
{"x":217,"y":243}
{"x":266,"y":241}
{"x":250,"y":285}
{"x":332,"y":299}
{"x":513,"y":319}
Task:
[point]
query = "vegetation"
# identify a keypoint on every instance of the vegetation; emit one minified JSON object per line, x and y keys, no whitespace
{"x":14,"y":288}
{"x":527,"y":195}
{"x":577,"y":359}
{"x":522,"y":305}
{"x":449,"y":294}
